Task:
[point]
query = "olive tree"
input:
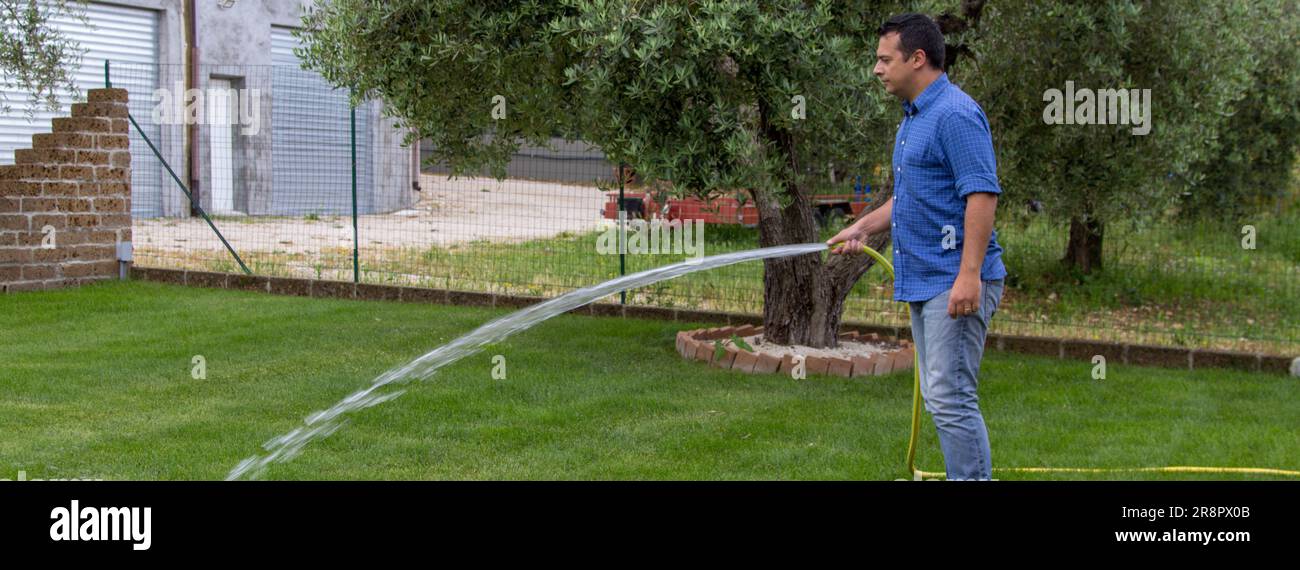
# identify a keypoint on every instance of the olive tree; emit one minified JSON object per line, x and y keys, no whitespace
{"x":1251,"y":168}
{"x":714,"y":97}
{"x":1195,"y":57}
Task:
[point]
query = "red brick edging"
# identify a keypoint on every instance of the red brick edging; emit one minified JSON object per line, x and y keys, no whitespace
{"x":700,"y":345}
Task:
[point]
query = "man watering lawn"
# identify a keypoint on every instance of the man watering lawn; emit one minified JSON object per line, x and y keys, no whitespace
{"x":947,"y":261}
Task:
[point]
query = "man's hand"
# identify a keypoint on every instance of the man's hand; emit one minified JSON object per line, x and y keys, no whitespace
{"x":853,"y":238}
{"x":965,"y":297}
{"x":850,"y":240}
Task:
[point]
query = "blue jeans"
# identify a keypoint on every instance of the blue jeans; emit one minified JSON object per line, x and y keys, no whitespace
{"x":950,"y":351}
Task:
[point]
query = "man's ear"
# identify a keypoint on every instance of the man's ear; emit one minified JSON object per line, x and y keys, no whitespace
{"x":918,"y":60}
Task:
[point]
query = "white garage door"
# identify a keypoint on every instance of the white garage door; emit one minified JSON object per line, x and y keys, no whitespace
{"x":127,"y":37}
{"x":311,"y":144}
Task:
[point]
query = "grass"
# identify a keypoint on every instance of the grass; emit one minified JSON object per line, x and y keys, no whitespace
{"x":1185,"y":285}
{"x":97,"y":384}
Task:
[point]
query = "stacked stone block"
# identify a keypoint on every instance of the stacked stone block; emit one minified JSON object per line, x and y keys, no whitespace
{"x":65,"y":203}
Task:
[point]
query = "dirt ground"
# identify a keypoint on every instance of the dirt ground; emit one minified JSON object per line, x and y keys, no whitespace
{"x":846,"y":348}
{"x":449,"y":212}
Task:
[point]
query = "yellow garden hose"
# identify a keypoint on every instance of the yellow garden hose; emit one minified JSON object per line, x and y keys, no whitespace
{"x":916,"y":430}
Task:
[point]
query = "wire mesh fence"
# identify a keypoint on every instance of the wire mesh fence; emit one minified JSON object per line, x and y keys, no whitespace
{"x":300,"y":183}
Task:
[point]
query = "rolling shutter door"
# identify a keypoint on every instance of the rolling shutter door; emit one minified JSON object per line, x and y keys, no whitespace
{"x":128,"y":37}
{"x":311,"y":139}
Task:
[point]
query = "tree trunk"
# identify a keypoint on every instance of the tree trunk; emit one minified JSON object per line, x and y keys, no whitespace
{"x":1083,"y":251}
{"x":803,"y":296}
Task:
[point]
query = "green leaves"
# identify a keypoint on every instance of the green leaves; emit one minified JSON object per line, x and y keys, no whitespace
{"x":720,"y":346}
{"x":35,"y":57}
{"x":698,"y":92}
{"x":1195,"y":56}
{"x":739,"y":342}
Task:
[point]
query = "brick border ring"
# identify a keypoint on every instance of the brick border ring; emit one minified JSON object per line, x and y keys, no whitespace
{"x":699,"y":345}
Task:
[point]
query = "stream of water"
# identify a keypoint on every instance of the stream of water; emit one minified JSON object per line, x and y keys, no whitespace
{"x":389,"y":384}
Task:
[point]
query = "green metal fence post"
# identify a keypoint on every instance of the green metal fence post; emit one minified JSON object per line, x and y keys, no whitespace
{"x":622,"y":217}
{"x":356,"y":261}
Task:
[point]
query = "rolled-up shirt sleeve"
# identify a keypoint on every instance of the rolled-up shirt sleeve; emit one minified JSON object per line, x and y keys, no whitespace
{"x":968,"y":148}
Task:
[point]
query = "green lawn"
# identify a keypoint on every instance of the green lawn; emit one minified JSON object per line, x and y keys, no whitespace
{"x":96,"y":383}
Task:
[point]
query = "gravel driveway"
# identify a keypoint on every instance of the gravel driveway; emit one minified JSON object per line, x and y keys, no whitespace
{"x":448,"y":212}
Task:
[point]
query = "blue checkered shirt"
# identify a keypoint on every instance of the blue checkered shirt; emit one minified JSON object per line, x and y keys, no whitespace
{"x":943,"y":152}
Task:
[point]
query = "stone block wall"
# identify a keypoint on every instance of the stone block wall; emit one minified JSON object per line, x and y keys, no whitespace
{"x":65,"y":204}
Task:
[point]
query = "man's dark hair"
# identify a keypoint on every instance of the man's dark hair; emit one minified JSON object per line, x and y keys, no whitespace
{"x":916,"y":31}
